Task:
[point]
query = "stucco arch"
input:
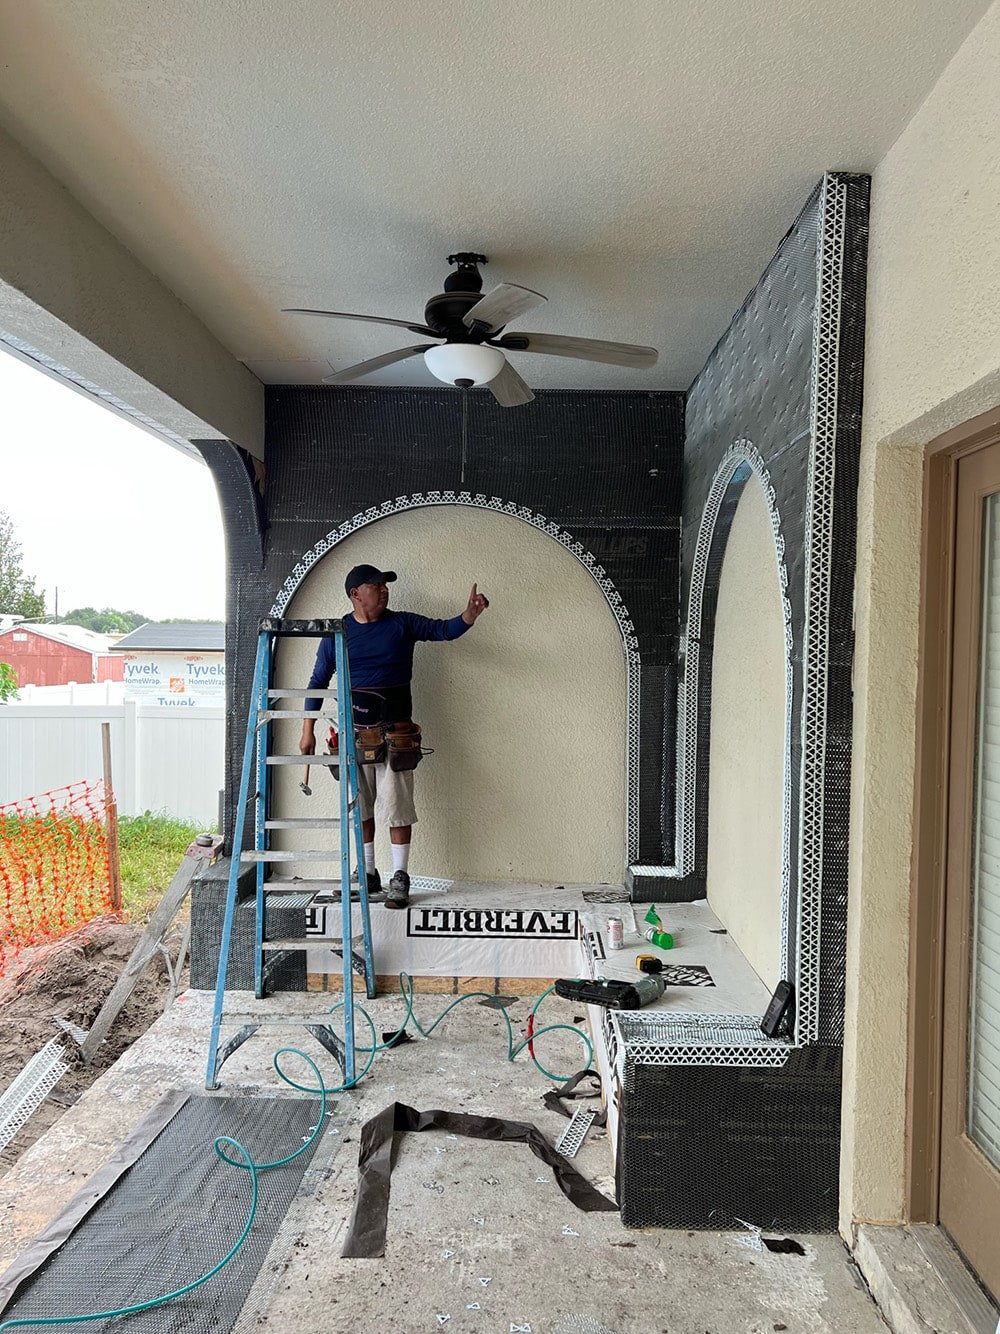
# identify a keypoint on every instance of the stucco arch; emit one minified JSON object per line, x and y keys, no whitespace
{"x":558,"y":683}
{"x":740,"y":464}
{"x":747,"y":828}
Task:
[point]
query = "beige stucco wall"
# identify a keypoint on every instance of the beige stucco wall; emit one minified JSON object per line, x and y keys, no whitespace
{"x":932,"y":362}
{"x":526,"y":712}
{"x":747,"y":745}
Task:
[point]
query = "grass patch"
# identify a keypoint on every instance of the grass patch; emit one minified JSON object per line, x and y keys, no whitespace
{"x":150,"y":847}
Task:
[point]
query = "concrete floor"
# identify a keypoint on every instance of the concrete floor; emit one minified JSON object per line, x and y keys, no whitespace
{"x":479,"y":1236}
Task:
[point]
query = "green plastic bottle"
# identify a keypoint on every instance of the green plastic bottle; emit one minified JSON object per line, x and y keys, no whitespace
{"x":661,"y":939}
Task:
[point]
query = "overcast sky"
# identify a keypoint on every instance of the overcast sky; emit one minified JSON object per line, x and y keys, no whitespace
{"x":106,"y":512}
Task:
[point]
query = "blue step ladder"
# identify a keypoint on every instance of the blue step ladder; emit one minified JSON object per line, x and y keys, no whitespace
{"x":255,"y":787}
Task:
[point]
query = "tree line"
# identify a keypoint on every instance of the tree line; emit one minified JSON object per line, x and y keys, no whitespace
{"x":20,"y":597}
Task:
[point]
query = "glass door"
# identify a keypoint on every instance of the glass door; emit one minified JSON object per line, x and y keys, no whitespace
{"x":970,"y":1126}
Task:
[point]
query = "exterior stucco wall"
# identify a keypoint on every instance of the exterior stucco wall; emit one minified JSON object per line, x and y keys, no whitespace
{"x":933,"y":362}
{"x":747,"y":748}
{"x":526,"y":712}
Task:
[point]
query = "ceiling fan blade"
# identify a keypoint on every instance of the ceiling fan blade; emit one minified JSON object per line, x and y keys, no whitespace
{"x":585,"y":349}
{"x":375,"y":364}
{"x":366,"y":319}
{"x":509,"y":390}
{"x":502,"y":305}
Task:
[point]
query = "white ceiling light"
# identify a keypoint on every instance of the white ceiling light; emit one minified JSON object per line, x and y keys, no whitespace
{"x":465,"y":364}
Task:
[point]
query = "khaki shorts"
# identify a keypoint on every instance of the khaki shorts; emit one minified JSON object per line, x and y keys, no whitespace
{"x":386,"y":795}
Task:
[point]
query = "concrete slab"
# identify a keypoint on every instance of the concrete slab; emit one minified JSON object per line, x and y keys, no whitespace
{"x":479,"y":1236}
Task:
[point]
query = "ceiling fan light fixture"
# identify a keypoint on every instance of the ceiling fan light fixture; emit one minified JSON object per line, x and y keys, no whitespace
{"x":468,"y":363}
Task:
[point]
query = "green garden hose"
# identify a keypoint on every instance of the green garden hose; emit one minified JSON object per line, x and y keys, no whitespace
{"x":247,"y":1163}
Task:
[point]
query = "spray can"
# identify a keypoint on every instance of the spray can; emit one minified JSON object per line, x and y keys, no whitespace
{"x":616,"y":934}
{"x":661,"y":939}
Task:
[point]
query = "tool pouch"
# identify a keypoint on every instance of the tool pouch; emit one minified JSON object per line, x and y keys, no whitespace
{"x":369,"y":744}
{"x":404,"y":743}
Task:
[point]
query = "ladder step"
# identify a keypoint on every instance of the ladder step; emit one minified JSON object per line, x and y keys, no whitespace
{"x":285,"y":891}
{"x":306,"y":943}
{"x":304,"y":822}
{"x":310,"y":760}
{"x":268,"y":715}
{"x":301,"y":692}
{"x":311,"y":884}
{"x":317,"y":897}
{"x":289,"y":855}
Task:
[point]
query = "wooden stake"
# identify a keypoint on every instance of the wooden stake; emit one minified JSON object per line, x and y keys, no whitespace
{"x":146,"y":946}
{"x":111,"y":815}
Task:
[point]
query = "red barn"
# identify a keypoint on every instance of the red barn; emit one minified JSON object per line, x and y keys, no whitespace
{"x":55,"y":655}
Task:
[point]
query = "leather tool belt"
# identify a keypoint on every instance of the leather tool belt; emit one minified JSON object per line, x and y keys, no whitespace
{"x":399,"y":743}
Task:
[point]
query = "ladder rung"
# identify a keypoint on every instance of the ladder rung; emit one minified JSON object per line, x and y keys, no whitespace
{"x":301,"y":692}
{"x":304,"y":882}
{"x":305,"y":891}
{"x":310,"y":760}
{"x":289,"y":855}
{"x":306,"y":943}
{"x":304,"y":822}
{"x":268,"y":715}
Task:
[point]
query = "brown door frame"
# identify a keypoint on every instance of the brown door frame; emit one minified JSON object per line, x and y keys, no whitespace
{"x":927,"y":884}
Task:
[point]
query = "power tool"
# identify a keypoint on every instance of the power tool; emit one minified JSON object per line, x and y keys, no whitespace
{"x":611,"y":993}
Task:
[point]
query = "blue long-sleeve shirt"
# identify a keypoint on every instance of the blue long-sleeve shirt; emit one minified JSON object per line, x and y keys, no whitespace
{"x":380,"y":654}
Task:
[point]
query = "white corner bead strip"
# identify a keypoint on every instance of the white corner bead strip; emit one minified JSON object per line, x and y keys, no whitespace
{"x":30,"y":1089}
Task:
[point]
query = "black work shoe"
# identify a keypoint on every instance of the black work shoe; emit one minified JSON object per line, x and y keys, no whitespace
{"x":398,"y":893}
{"x":374,"y":881}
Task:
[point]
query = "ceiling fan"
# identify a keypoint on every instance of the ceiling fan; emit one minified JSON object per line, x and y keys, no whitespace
{"x":474,"y":345}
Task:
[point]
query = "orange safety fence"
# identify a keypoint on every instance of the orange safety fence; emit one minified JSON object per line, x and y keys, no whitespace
{"x":54,"y":872}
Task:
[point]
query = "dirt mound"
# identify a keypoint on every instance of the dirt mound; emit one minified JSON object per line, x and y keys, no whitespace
{"x":70,"y":979}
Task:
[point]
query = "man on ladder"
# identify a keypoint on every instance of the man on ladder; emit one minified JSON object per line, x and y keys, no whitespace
{"x":380,"y":652}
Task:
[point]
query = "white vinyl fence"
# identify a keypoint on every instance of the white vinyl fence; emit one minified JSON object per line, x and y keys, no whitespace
{"x":162,"y":759}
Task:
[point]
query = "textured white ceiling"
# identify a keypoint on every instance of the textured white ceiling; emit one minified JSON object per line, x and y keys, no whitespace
{"x":637,"y":161}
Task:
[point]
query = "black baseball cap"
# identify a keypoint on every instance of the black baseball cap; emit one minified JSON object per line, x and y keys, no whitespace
{"x":367,"y":574}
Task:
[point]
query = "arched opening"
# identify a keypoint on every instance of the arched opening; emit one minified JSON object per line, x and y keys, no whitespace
{"x":748,"y":745}
{"x":526,"y":713}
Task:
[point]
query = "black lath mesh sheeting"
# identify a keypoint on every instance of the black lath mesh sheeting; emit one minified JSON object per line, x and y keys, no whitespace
{"x":758,"y":389}
{"x":604,"y":467}
{"x":703,"y":1144}
{"x":174,"y":1214}
{"x":755,"y":387}
{"x":716,"y":1146}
